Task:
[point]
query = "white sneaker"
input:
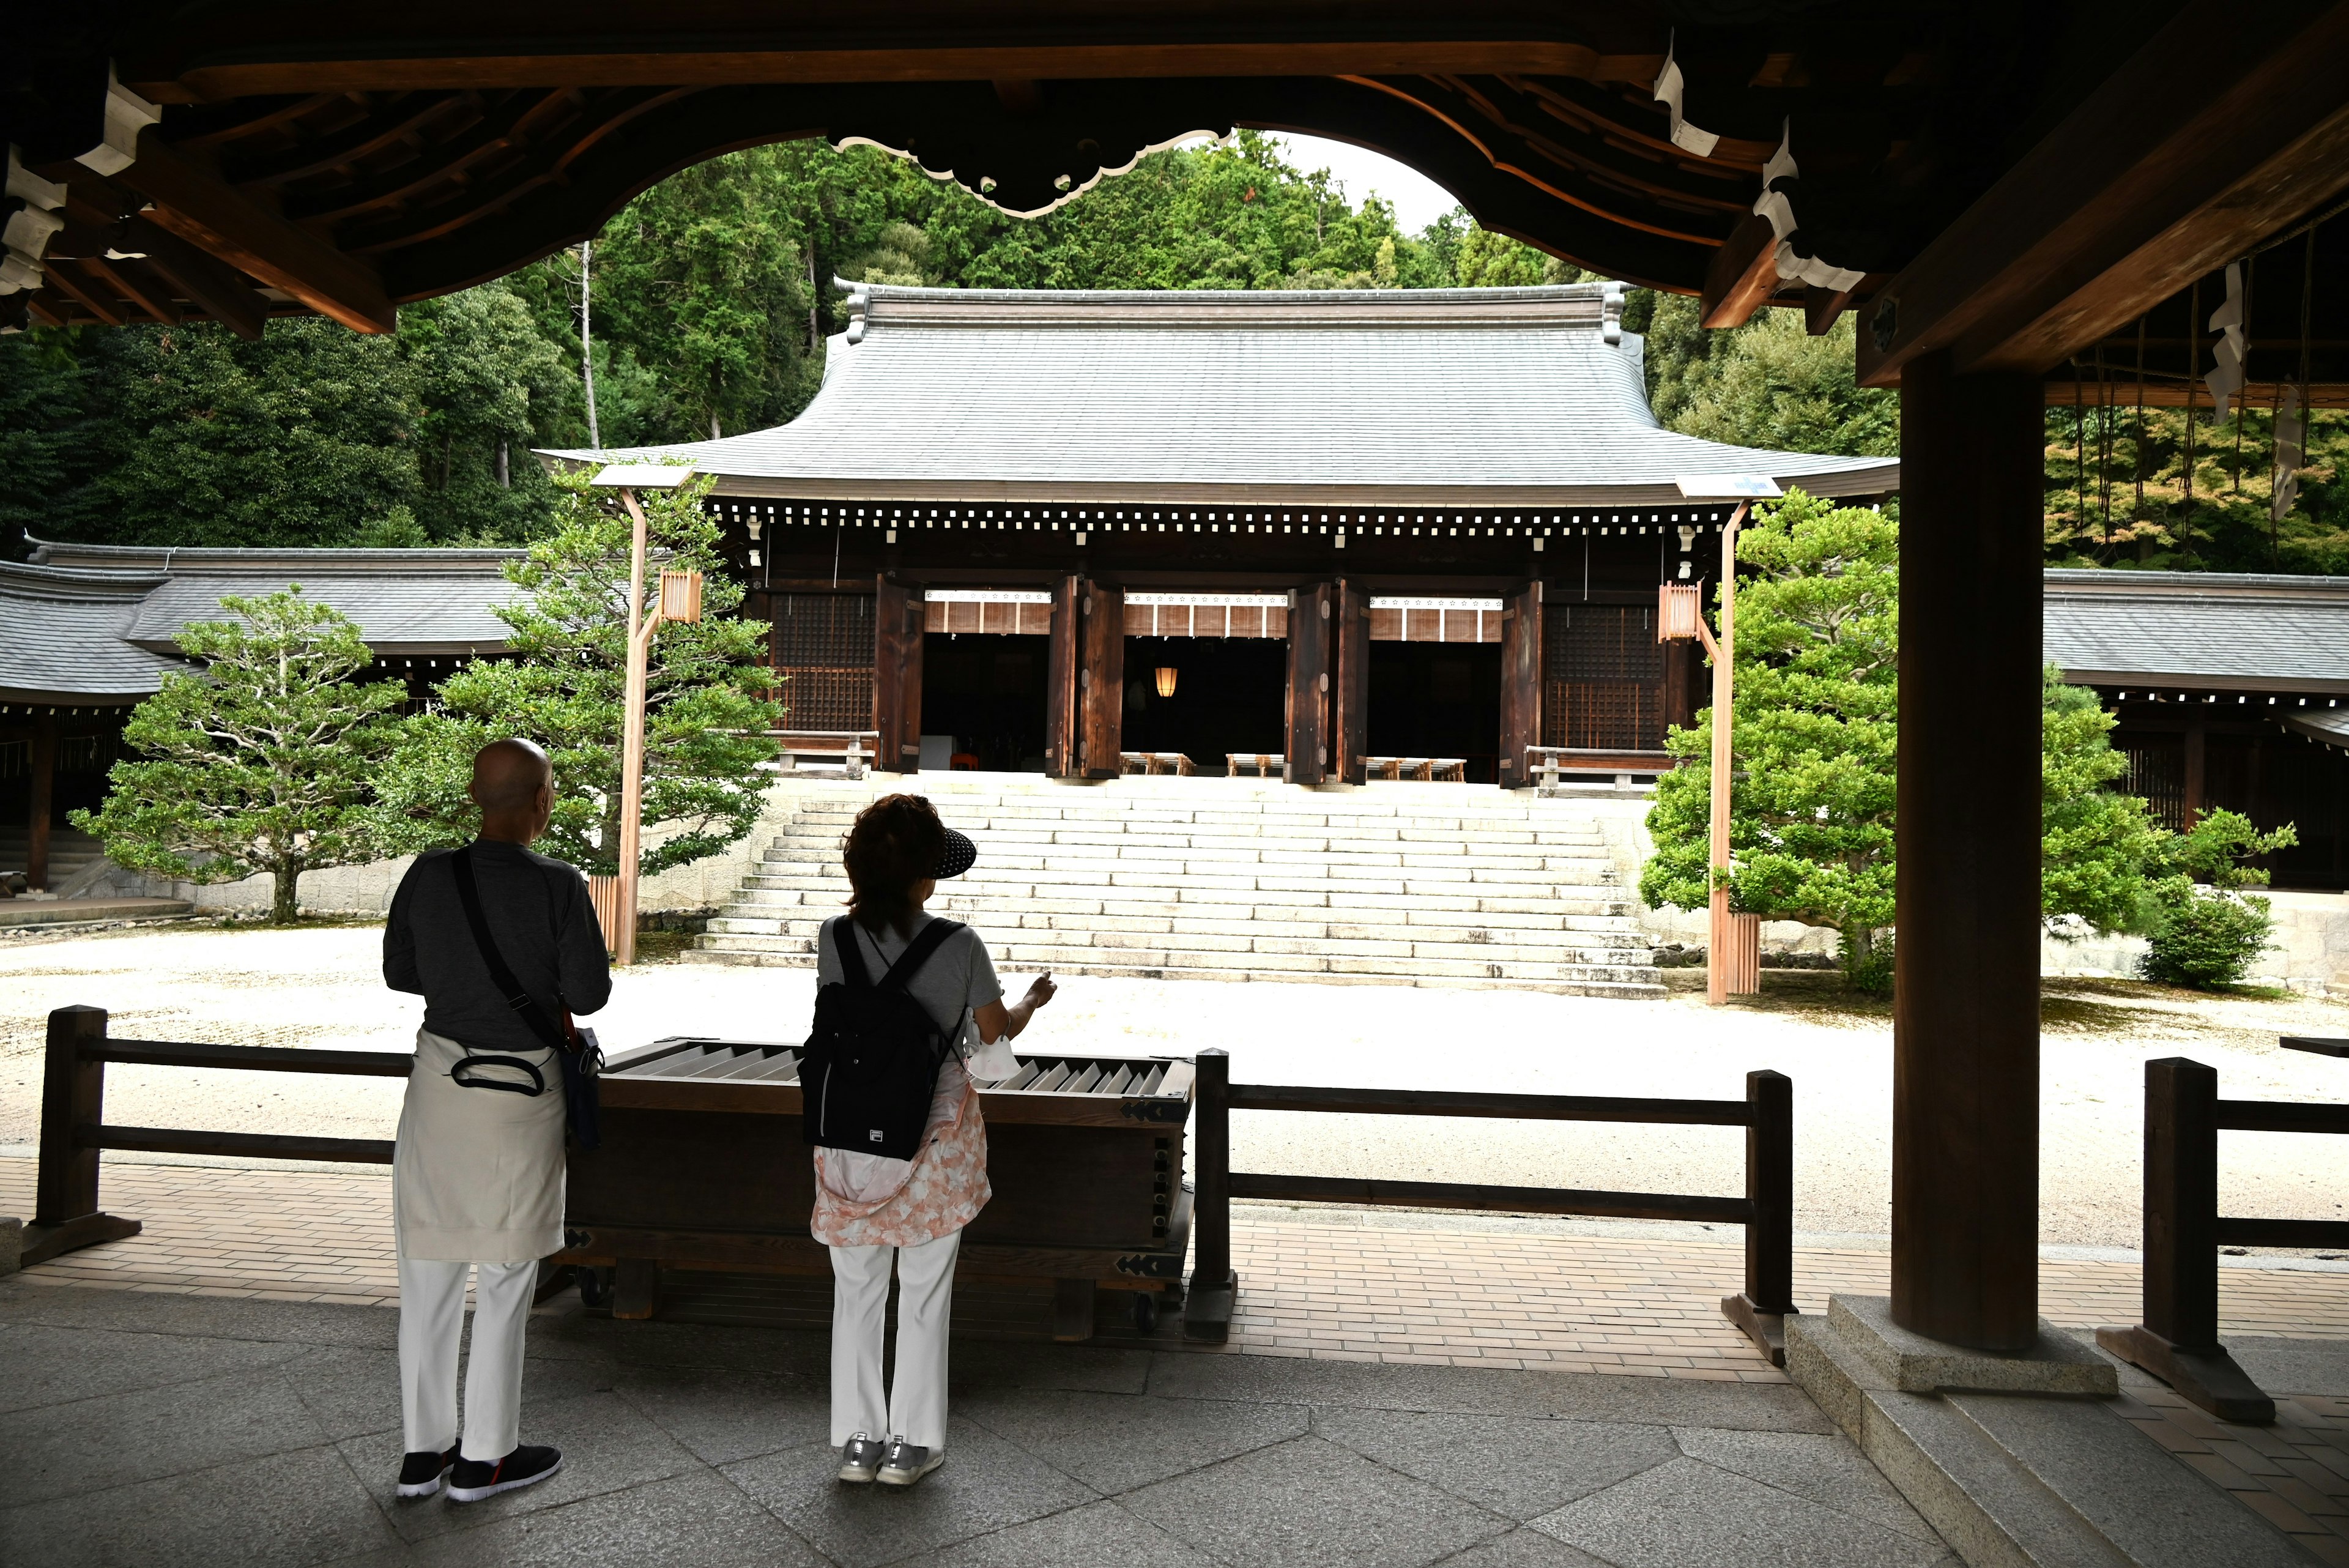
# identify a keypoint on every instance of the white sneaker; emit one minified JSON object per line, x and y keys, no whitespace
{"x":908,"y":1462}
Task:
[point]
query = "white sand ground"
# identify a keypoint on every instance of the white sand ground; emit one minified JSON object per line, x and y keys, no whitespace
{"x":322,"y":988}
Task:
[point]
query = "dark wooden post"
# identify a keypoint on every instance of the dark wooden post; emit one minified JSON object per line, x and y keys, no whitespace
{"x":1353,"y":683}
{"x":36,"y":818}
{"x":1061,"y":716}
{"x":73,"y":1096}
{"x":1310,"y":614}
{"x":1101,"y":681}
{"x":2178,"y":1340}
{"x":1965,"y":1086}
{"x":2196,"y":753}
{"x":1215,"y":1288}
{"x":1521,"y":673}
{"x":1769,"y":1295}
{"x":893,"y":635}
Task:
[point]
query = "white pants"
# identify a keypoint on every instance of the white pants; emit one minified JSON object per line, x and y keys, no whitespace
{"x":916,"y":1408}
{"x":431,"y":1319}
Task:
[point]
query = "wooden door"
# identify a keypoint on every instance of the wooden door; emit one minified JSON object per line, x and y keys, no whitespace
{"x":897,"y":675}
{"x":1061,"y":758}
{"x":1101,"y":678}
{"x":1521,"y":683}
{"x":1352,"y":695}
{"x":1310,"y":616}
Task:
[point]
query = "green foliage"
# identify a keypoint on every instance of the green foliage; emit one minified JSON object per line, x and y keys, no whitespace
{"x":707,"y":713}
{"x":488,"y":387}
{"x":2098,"y":841}
{"x":1813,"y":803}
{"x":1811,"y":806}
{"x":1765,"y":384}
{"x":2206,"y":938}
{"x":262,"y":763}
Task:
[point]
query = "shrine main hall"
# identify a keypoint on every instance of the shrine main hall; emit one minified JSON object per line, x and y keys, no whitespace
{"x":1321,"y":534}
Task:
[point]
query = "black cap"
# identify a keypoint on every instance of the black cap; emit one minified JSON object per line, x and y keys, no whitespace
{"x":959,"y":854}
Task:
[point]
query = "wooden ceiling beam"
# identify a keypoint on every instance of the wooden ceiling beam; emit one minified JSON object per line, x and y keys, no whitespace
{"x":197,"y":205}
{"x":212,"y":285}
{"x":68,"y":280}
{"x":2227,"y":125}
{"x":1743,"y":276}
{"x":136,"y":286}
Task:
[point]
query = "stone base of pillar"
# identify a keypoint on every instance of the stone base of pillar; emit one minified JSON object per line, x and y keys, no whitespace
{"x":2014,"y":1478}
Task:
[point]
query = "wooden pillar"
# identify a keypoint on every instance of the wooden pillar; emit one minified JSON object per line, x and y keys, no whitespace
{"x":1311,"y":614}
{"x":1521,"y":683}
{"x":2195,"y":774}
{"x":1351,"y":694}
{"x":1060,"y":750}
{"x":1100,"y":679}
{"x":36,"y":818}
{"x":1965,"y":1086}
{"x":897,"y":675}
{"x":1680,"y":685}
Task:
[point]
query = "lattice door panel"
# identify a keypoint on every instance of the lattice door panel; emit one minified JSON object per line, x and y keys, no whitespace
{"x":823,"y":650}
{"x":1604,"y":678}
{"x":2157,"y":772}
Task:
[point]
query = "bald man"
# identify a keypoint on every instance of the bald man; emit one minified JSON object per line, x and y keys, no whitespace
{"x":477,"y":1174}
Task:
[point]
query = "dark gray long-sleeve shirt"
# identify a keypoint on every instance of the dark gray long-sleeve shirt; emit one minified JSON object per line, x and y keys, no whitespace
{"x":545,"y":929}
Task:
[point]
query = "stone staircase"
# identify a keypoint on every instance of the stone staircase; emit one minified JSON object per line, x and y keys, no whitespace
{"x":1455,"y":884}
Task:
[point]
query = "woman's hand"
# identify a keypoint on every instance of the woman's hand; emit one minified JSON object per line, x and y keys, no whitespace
{"x":997,"y":1022}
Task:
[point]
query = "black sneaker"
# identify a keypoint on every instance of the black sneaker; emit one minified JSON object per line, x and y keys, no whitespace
{"x":421,"y":1473}
{"x":473,"y":1479}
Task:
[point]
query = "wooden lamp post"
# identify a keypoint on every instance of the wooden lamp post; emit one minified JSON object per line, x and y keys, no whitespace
{"x":679,"y":599}
{"x":1733,"y":941}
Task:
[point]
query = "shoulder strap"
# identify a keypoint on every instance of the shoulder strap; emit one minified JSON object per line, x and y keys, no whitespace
{"x":468,"y":893}
{"x":853,"y":971}
{"x":909,"y":962}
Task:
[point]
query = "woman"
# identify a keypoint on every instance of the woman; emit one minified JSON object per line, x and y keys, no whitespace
{"x":872,"y":1210}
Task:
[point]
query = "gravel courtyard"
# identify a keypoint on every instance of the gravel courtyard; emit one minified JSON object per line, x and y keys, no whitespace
{"x":320,"y":987}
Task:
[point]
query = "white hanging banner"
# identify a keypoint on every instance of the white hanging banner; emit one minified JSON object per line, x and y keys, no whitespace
{"x":2226,"y":378}
{"x":1669,"y":88}
{"x":1774,"y":205}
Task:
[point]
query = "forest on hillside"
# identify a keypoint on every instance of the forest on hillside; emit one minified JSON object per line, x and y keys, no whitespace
{"x":708,"y":299}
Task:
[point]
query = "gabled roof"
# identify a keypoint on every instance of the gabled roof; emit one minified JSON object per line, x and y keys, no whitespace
{"x":103,"y":622}
{"x":2200,"y":630}
{"x":1499,"y":397}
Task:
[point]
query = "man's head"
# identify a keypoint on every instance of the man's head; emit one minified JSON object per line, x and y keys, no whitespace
{"x":514,"y":783}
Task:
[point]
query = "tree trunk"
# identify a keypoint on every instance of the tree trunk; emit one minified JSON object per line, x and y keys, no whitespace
{"x":285,"y":908}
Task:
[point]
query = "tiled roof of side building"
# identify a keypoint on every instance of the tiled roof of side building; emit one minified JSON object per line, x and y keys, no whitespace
{"x":2200,"y":630}
{"x":62,"y":636}
{"x":1512,"y":396}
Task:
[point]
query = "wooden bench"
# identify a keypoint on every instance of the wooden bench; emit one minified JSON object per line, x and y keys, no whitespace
{"x":1264,"y":764}
{"x":1173,"y":763}
{"x":1547,"y":764}
{"x":1422,"y":770}
{"x":818,"y":752}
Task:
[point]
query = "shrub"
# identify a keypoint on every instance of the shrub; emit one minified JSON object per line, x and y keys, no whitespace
{"x":2207,"y":937}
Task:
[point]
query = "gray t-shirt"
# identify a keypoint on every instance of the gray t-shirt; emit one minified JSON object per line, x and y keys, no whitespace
{"x":955,"y":979}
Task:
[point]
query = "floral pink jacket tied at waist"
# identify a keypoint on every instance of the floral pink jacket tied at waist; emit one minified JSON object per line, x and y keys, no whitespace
{"x":867,"y":1200}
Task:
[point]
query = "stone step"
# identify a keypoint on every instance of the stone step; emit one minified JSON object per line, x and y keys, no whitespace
{"x":1286,"y":946}
{"x":1568,"y":901}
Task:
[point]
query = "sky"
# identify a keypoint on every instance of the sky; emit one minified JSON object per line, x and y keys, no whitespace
{"x":1418,"y":200}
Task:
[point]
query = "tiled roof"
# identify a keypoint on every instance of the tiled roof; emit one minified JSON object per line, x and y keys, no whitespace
{"x":2200,"y":630}
{"x":102,"y":621}
{"x":1506,"y":397}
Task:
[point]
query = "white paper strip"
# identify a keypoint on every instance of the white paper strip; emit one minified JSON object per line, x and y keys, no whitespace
{"x":30,"y":188}
{"x":2226,"y":378}
{"x":1774,"y":205}
{"x":127,"y":114}
{"x":1669,"y":88}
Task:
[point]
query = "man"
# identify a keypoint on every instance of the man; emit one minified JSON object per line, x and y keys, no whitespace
{"x":477,"y":1176}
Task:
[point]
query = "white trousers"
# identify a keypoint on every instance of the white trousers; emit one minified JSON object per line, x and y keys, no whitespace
{"x":915,"y":1407}
{"x":432,"y":1320}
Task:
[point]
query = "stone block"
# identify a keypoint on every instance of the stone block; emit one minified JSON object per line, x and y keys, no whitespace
{"x":2057,"y":1364}
{"x":12,"y":1244}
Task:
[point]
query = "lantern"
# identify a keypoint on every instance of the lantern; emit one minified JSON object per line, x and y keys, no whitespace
{"x":680,"y":596}
{"x":1166,"y":680}
{"x":1678,"y":614}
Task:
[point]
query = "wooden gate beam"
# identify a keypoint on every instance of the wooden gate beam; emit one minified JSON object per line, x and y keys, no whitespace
{"x":2230,"y":123}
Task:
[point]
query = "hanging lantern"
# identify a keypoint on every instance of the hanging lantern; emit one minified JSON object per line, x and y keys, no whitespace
{"x":1166,"y":680}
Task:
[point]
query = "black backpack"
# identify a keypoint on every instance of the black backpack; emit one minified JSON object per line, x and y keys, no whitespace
{"x":871,"y":1067}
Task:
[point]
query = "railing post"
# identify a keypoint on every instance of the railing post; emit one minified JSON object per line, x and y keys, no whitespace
{"x":2178,"y":1341}
{"x":1762,"y":1307}
{"x":1215,"y":1288}
{"x":73,"y":1096}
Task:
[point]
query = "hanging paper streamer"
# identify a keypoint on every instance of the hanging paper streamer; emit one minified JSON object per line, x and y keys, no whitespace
{"x":25,"y":235}
{"x":2290,"y":452}
{"x":1773,"y":204}
{"x":1669,"y":88}
{"x":2226,"y":378}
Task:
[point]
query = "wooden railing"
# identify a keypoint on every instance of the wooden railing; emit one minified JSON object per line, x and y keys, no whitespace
{"x":2178,"y":1341}
{"x":74,"y":1129}
{"x":1545,"y":763}
{"x":1767,"y":1210}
